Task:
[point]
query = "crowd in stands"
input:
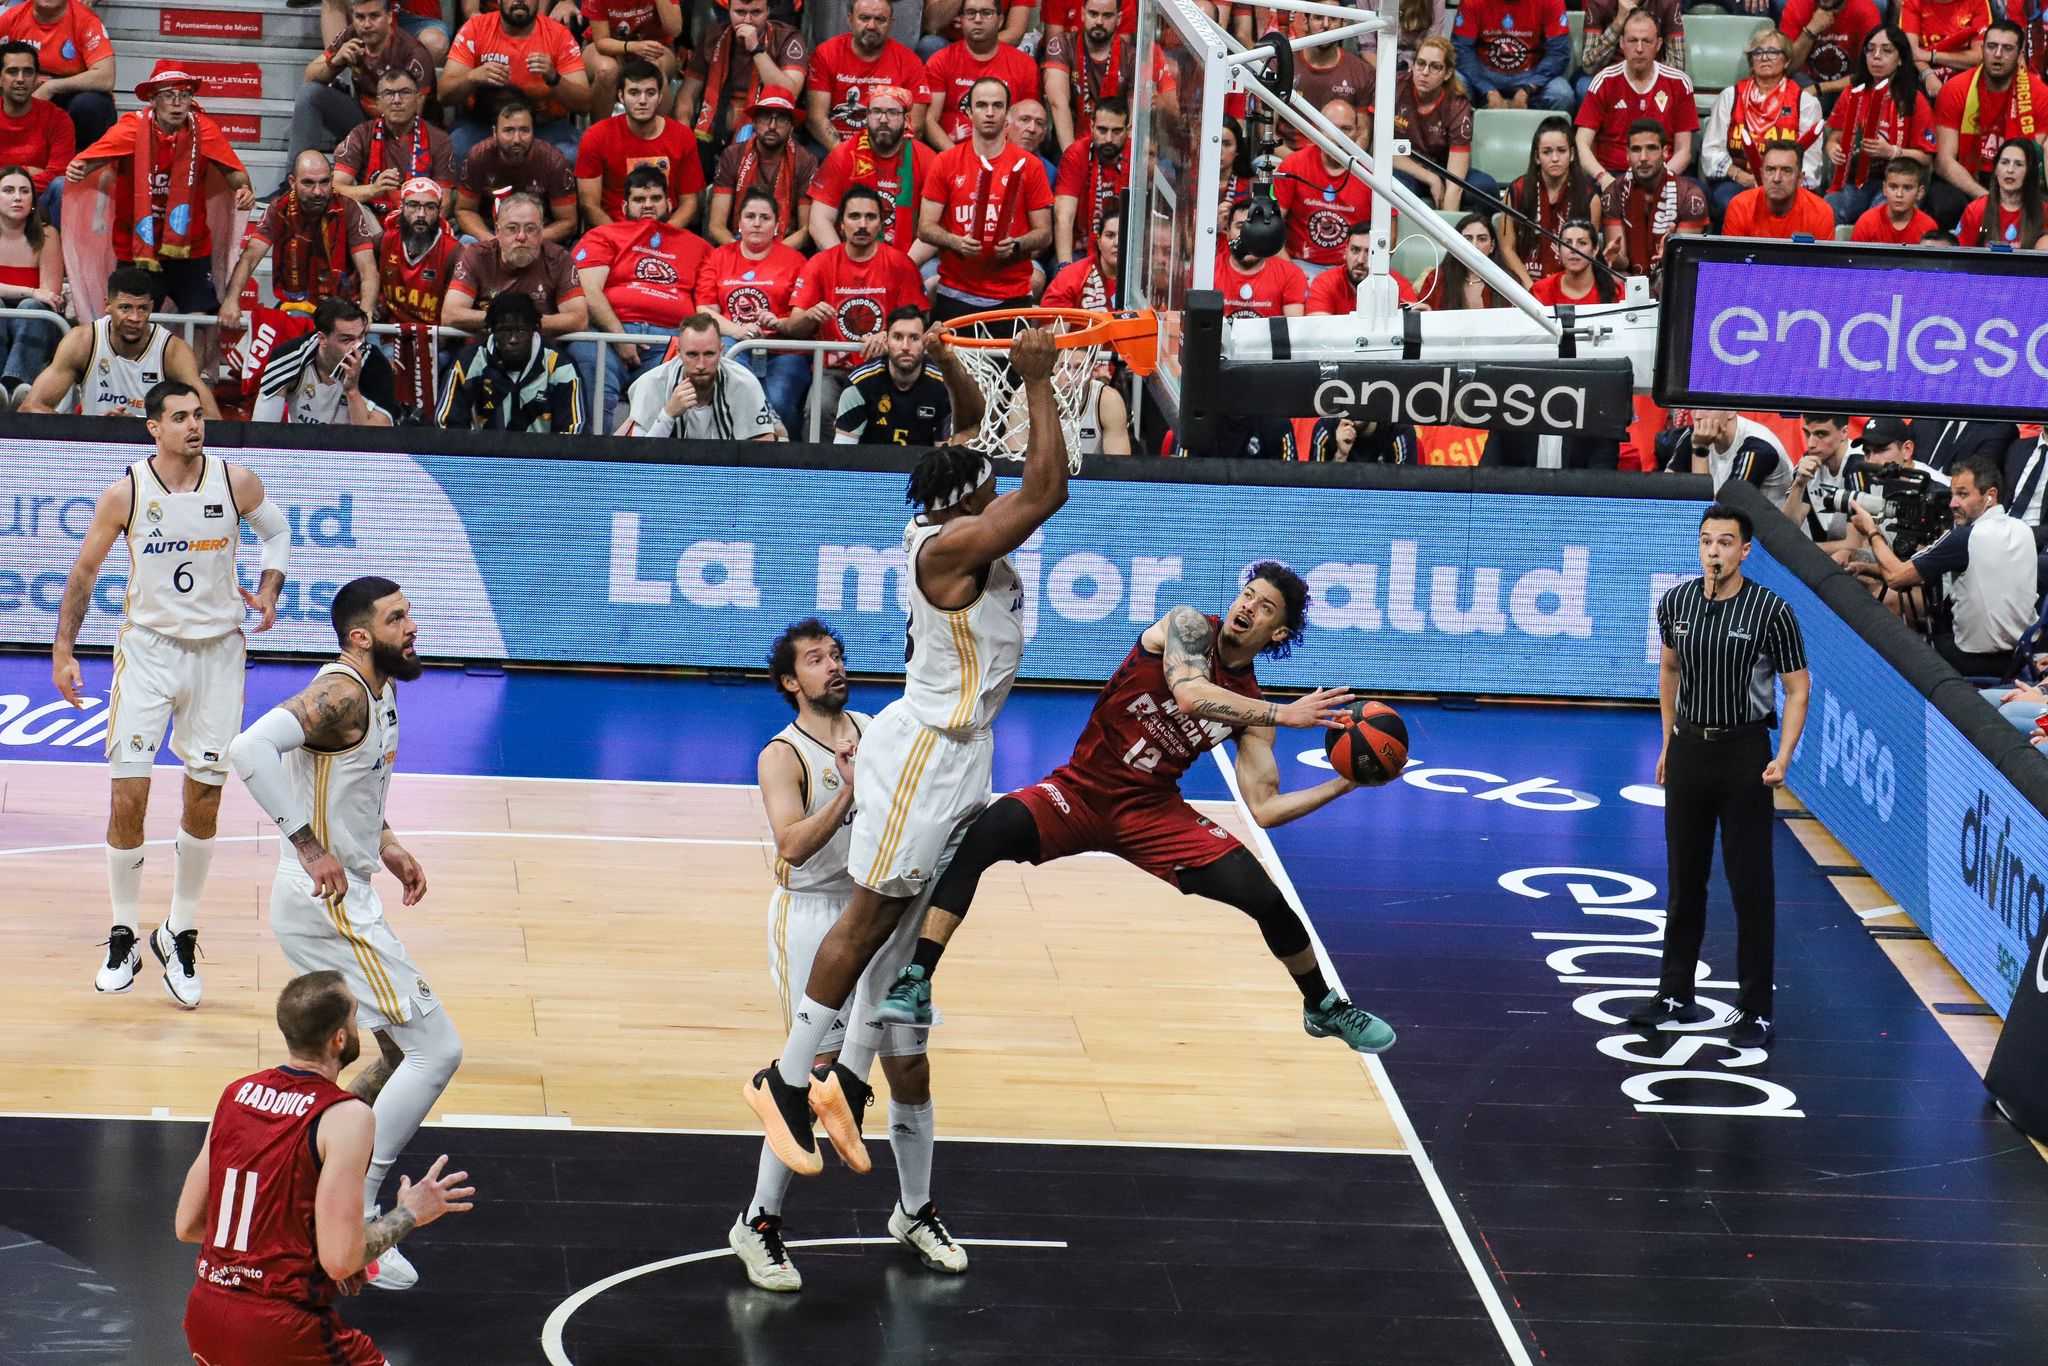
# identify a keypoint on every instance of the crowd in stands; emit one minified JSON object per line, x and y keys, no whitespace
{"x":686,"y":173}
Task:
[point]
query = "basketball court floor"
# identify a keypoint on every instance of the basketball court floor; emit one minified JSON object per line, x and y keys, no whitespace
{"x":1147,"y":1158}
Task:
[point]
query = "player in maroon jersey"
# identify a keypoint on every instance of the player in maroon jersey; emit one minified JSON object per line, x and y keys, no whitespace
{"x":276,"y":1199}
{"x":1186,"y":687}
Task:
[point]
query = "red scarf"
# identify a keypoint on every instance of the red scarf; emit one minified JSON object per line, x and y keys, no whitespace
{"x":310,"y":259}
{"x":418,"y":359}
{"x":1764,"y":118}
{"x":719,"y":72}
{"x":164,"y":233}
{"x":1642,"y":209}
{"x":418,"y":161}
{"x":1108,"y":79}
{"x":785,"y":180}
{"x":1550,"y":215}
{"x":1099,"y":178}
{"x":1872,"y":113}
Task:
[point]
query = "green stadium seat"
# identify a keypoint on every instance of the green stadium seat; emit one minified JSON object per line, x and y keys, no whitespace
{"x":1500,"y":140}
{"x":1575,"y":20}
{"x":1714,"y":44}
{"x":1843,"y":231}
{"x":1415,"y":256}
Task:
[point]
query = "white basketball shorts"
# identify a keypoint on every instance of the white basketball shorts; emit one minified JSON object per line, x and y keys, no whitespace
{"x":193,"y":686}
{"x":914,"y":791}
{"x":797,"y":924}
{"x":348,"y":935}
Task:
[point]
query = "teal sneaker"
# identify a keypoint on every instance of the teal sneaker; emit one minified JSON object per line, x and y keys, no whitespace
{"x":909,"y":1002}
{"x":1361,"y":1031}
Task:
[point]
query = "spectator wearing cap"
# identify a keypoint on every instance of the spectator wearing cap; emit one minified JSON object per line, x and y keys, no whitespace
{"x":379,"y":157}
{"x":1779,"y":207}
{"x":1024,"y":128}
{"x":512,"y":381}
{"x":1095,"y":173}
{"x":34,"y":134}
{"x":849,"y":70}
{"x":747,"y":286}
{"x":642,"y":138}
{"x":342,"y":85}
{"x":75,"y":61}
{"x":1094,"y":62}
{"x":770,"y":159}
{"x":514,"y":49}
{"x":743,"y":57}
{"x":957,"y":68}
{"x":1763,"y":108}
{"x":326,"y":246}
{"x":415,"y":261}
{"x":171,"y":231}
{"x":987,"y":207}
{"x":639,"y":275}
{"x":883,"y":156}
{"x":846,"y":294}
{"x":331,"y":376}
{"x":514,"y":161}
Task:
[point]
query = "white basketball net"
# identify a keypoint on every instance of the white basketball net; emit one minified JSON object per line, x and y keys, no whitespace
{"x":1006,"y":422}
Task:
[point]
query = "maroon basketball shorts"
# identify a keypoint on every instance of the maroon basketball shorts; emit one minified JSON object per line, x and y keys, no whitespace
{"x":1157,"y":831}
{"x":230,"y":1328}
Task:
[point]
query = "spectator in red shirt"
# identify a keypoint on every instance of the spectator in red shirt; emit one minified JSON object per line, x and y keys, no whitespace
{"x":341,"y":84}
{"x":1095,"y":62}
{"x":32,"y":277}
{"x":414,"y":261}
{"x":377,"y":158}
{"x":979,"y":55}
{"x":1896,"y":218}
{"x":1321,"y":197}
{"x":326,"y":247}
{"x":639,"y":139}
{"x":513,"y":161}
{"x":640,"y":276}
{"x":34,"y":134}
{"x":747,"y":285}
{"x":1826,"y":35}
{"x":770,"y":159}
{"x":1605,"y":20}
{"x":1093,"y":175}
{"x":1780,"y":207}
{"x":1977,"y":113}
{"x":1635,"y":88}
{"x":1947,"y":37}
{"x":2010,"y":216}
{"x":1645,"y":208}
{"x":847,"y":294}
{"x":987,"y":208}
{"x":1433,"y":113}
{"x":1091,"y":282}
{"x":743,"y":56}
{"x":76,"y":59}
{"x":514,"y":50}
{"x":1882,"y":116}
{"x":1554,"y":190}
{"x":1336,"y":291}
{"x":847,"y":70}
{"x":1763,"y":107}
{"x":1255,"y":286}
{"x":1513,"y":54}
{"x":883,"y":156}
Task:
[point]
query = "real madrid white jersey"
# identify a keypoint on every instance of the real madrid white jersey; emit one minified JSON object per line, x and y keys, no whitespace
{"x":181,"y":547}
{"x":824,"y":871}
{"x":113,"y":385}
{"x":347,"y":788}
{"x":958,"y":666}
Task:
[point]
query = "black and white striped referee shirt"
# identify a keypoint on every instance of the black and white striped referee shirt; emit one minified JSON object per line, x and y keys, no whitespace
{"x":1729,"y":651}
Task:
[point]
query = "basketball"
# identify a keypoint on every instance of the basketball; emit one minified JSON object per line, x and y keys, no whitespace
{"x":1373,"y":749}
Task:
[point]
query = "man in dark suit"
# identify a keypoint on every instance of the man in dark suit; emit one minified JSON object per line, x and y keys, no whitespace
{"x":2026,"y":474}
{"x":1939,"y":443}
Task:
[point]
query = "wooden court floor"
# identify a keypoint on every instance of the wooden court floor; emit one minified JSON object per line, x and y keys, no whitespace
{"x":602,"y":947}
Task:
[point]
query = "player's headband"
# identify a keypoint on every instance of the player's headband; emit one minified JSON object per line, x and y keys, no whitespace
{"x":957,"y":495}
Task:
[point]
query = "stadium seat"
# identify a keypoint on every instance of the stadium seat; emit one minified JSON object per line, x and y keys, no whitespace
{"x":1714,"y":44}
{"x":1575,"y":20}
{"x":1415,"y":256}
{"x":1500,"y":141}
{"x":1843,"y":231}
{"x":1404,"y":226}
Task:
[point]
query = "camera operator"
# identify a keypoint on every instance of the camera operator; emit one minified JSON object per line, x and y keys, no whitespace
{"x":1989,"y":559}
{"x":1724,"y":445}
{"x":1825,"y":481}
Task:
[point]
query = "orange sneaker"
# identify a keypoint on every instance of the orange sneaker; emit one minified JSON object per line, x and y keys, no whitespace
{"x":837,"y":1098}
{"x":785,"y":1115}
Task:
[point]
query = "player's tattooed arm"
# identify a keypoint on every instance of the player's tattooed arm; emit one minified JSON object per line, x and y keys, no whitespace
{"x":334,"y":712}
{"x":384,"y":1232}
{"x":1188,"y":635}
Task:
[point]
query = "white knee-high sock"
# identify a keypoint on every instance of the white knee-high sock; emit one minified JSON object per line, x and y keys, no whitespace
{"x":195,"y":857}
{"x":807,"y":1029}
{"x":910,"y":1139}
{"x":124,"y":884}
{"x":433,"y":1051}
{"x":857,"y":1054}
{"x":771,"y":1183}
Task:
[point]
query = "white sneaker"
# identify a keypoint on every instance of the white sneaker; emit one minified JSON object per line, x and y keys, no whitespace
{"x":123,"y":957}
{"x":925,"y":1234}
{"x":760,"y":1249}
{"x":179,"y":953}
{"x":391,"y":1270}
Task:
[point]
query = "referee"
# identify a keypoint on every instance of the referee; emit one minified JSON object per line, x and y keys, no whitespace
{"x":1724,"y":637}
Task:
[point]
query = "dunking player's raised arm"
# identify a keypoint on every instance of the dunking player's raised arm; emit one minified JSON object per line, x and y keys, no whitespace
{"x":969,"y":407}
{"x":332,"y":714}
{"x":1184,"y":638}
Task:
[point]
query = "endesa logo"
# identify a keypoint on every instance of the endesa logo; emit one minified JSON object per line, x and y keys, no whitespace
{"x":1457,"y":397}
{"x":170,"y":547}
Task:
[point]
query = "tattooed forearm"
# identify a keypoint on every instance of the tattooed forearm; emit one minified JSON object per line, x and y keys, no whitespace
{"x":384,"y":1232}
{"x":1240,"y":713}
{"x":369,"y":1083}
{"x":304,"y":838}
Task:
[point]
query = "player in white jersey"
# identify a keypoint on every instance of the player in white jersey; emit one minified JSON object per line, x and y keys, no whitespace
{"x":807,"y":780}
{"x":925,"y":762}
{"x":320,"y":766}
{"x":179,"y":659}
{"x":109,"y":365}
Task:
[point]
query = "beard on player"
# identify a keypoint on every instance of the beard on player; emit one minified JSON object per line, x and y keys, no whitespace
{"x":399,"y":661}
{"x":831,"y":699}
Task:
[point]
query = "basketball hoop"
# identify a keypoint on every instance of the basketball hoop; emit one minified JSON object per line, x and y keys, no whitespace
{"x":982,"y":342}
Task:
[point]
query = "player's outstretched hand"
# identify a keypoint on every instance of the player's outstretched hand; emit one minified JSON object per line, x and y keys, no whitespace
{"x":436,"y":1194}
{"x":1033,"y":354}
{"x":1325,"y":707}
{"x":263,"y":606}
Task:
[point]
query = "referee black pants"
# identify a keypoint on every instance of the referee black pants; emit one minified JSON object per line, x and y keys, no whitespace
{"x":1711,"y":784}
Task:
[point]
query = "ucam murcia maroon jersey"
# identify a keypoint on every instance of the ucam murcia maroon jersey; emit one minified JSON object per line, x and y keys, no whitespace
{"x":1138,"y":737}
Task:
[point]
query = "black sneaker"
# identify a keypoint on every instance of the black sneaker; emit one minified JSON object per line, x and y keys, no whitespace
{"x":1750,"y":1030}
{"x":1660,"y":1012}
{"x":785,"y":1115}
{"x":859,"y":1095}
